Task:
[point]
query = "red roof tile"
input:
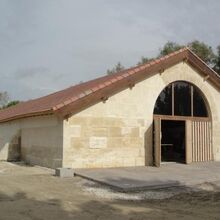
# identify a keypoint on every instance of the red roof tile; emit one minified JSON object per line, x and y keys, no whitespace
{"x":59,"y":100}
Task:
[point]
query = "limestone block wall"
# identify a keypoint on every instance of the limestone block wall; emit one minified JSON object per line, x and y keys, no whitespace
{"x":116,"y":133}
{"x":9,"y":139}
{"x":104,"y":142}
{"x":119,"y":132}
{"x":185,"y":72}
{"x":42,"y":141}
{"x":112,"y":134}
{"x":38,"y":140}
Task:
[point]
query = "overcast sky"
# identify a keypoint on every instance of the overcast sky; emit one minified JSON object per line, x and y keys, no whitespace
{"x":47,"y":45}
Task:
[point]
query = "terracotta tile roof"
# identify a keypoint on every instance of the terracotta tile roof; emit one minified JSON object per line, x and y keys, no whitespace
{"x":80,"y":96}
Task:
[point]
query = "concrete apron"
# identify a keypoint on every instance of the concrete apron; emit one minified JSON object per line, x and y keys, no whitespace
{"x":132,"y":179}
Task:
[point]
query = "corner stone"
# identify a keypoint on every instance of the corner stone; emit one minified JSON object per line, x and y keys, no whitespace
{"x":64,"y":172}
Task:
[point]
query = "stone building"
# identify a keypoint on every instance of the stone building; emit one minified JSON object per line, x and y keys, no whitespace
{"x":165,"y":110}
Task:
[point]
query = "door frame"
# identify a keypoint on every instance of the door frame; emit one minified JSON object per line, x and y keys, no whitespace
{"x":157,"y":142}
{"x":188,"y":135}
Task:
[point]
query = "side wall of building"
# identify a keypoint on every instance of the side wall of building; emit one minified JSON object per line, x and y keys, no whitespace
{"x":119,"y":132}
{"x":36,"y":140}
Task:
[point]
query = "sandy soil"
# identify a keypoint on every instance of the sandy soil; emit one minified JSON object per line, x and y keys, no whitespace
{"x":34,"y":193}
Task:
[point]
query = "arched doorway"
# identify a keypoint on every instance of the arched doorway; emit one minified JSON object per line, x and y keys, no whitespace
{"x":182,"y":125}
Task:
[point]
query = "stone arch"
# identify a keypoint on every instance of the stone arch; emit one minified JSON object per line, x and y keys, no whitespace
{"x":197,"y":89}
{"x":188,"y":74}
{"x":183,"y":72}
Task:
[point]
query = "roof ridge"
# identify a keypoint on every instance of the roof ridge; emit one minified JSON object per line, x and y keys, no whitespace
{"x":120,"y":75}
{"x":189,"y":50}
{"x":78,"y":96}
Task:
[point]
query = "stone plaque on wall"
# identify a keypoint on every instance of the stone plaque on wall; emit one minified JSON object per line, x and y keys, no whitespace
{"x":98,"y":142}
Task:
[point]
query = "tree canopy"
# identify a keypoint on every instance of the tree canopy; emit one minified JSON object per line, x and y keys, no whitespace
{"x":144,"y":60}
{"x":169,"y":47}
{"x":4,"y":101}
{"x":4,"y":98}
{"x":217,"y":61}
{"x":11,"y":103}
{"x":202,"y":50}
{"x":118,"y":67}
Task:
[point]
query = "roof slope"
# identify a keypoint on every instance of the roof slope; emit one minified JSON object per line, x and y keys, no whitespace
{"x":80,"y":96}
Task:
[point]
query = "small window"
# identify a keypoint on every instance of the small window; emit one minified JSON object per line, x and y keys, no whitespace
{"x":163,"y":104}
{"x":182,"y":99}
{"x":199,"y":107}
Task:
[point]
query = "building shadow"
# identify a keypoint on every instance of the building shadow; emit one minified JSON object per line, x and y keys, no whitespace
{"x":14,"y":148}
{"x":22,"y":206}
{"x":148,"y":145}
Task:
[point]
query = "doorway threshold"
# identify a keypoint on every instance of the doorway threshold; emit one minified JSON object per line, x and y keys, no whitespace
{"x":168,"y":162}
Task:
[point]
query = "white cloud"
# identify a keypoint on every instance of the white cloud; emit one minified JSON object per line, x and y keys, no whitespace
{"x":59,"y":43}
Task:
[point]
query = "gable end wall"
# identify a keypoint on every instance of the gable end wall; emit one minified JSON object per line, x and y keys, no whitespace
{"x":118,"y":132}
{"x":36,"y":140}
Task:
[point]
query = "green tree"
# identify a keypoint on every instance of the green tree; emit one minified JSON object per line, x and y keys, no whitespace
{"x":144,"y":60}
{"x":217,"y":61}
{"x":11,"y":103}
{"x":4,"y":98}
{"x":203,"y":51}
{"x":169,"y":47}
{"x":118,"y":67}
{"x":4,"y":101}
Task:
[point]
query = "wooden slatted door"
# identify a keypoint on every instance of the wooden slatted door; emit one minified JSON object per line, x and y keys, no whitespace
{"x":202,"y":141}
{"x":157,"y":142}
{"x":188,"y":136}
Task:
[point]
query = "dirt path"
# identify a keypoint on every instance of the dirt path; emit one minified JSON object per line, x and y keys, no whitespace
{"x":34,"y":193}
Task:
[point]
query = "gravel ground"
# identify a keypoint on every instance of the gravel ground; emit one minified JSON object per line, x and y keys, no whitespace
{"x":34,"y":193}
{"x":101,"y":191}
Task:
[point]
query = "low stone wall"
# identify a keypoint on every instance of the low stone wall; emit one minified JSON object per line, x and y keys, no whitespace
{"x":36,"y":140}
